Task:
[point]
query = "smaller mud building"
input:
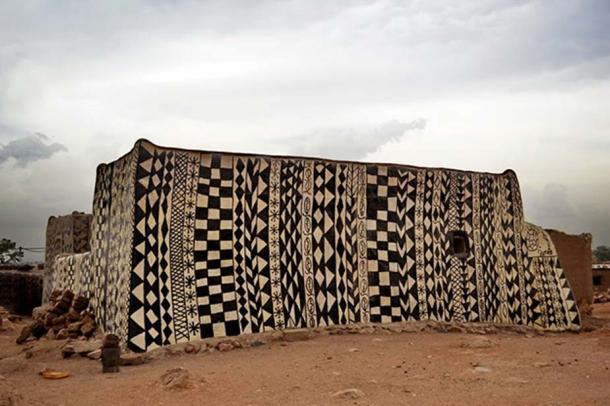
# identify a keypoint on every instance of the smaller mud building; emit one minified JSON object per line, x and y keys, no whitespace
{"x":191,"y":244}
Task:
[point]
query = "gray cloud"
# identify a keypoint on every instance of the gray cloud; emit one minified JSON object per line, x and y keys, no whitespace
{"x":551,"y":204}
{"x":249,"y":76}
{"x":352,"y":143}
{"x":29,"y":149}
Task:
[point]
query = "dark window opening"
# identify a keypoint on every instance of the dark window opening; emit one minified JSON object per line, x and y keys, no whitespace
{"x":597,"y":280}
{"x":459,"y":245}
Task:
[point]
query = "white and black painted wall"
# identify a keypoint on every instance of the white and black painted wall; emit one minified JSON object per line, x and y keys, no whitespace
{"x":189,"y":245}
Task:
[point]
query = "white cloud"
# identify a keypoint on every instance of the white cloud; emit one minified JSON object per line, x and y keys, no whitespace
{"x":351,"y":143}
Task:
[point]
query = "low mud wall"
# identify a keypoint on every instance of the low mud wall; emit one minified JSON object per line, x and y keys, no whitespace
{"x":575,"y":257}
{"x":20,"y":291}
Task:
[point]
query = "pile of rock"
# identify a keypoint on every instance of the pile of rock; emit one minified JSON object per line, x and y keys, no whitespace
{"x":64,"y":316}
{"x":7,"y":319}
{"x":601,"y":297}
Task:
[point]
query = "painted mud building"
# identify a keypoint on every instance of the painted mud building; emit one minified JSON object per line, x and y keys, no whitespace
{"x":190,"y":244}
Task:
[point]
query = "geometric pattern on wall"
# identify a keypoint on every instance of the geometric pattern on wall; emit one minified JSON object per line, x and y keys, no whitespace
{"x":68,"y":234}
{"x":224,"y":244}
{"x":213,"y":252}
{"x":72,"y":272}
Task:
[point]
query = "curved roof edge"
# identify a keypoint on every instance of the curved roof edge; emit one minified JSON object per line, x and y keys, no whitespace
{"x":506,"y":173}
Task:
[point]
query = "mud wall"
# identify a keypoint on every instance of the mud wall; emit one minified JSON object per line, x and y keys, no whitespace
{"x":575,"y":257}
{"x":68,"y":234}
{"x":20,"y":291}
{"x":73,"y":272}
{"x":189,"y":245}
{"x":601,"y":277}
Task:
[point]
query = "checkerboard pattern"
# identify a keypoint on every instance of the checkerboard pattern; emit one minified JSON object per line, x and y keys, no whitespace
{"x":213,"y":253}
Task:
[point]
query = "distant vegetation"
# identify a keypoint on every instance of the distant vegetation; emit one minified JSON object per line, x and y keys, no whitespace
{"x":9,"y":253}
{"x":602,"y":253}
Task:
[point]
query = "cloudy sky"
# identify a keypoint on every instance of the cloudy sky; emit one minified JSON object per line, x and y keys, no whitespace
{"x":484,"y":85}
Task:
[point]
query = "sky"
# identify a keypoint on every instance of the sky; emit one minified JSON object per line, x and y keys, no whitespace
{"x":481,"y":85}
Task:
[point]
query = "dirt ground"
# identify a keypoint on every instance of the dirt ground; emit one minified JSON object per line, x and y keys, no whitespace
{"x":383,"y":368}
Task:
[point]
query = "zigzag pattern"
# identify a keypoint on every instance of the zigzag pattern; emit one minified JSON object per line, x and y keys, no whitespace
{"x":318,"y":252}
{"x":293,"y":290}
{"x":340,"y":226}
{"x":351,"y":246}
{"x":509,"y":253}
{"x":239,"y":244}
{"x":403,"y":243}
{"x":262,"y":244}
{"x":166,"y":300}
{"x":255,"y":219}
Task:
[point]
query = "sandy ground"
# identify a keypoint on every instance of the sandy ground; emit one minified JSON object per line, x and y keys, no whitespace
{"x":391,"y":368}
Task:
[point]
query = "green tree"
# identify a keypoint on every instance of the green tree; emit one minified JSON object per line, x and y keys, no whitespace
{"x":602,"y":253}
{"x":9,"y":253}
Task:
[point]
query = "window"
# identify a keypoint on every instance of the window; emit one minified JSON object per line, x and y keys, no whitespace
{"x":597,"y":280}
{"x":459,"y":245}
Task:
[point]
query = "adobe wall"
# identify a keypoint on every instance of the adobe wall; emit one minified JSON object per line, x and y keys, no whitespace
{"x":576,"y":260}
{"x":20,"y":290}
{"x":601,"y":280}
{"x":68,"y":234}
{"x":193,"y":244}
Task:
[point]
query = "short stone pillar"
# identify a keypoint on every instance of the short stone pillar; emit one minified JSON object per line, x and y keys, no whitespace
{"x":111,"y":353}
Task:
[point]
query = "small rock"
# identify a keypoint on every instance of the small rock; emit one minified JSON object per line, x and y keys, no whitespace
{"x":174,"y":350}
{"x":191,"y":348}
{"x":176,"y":379}
{"x":50,"y":334}
{"x":95,"y":355}
{"x":83,"y":348}
{"x":25,"y":333}
{"x":541,"y":364}
{"x":14,"y":318}
{"x":132,"y":359}
{"x":353,"y":350}
{"x":80,"y":303}
{"x":73,"y":316}
{"x":456,"y":329}
{"x":62,"y":334}
{"x":257,"y":343}
{"x":67,"y":351}
{"x":411,"y":328}
{"x":74,"y":327}
{"x":38,"y":329}
{"x":6,"y":325}
{"x":224,"y":346}
{"x":41,"y":311}
{"x":481,"y":369}
{"x":87,"y":329}
{"x":296,"y":335}
{"x":351,"y":393}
